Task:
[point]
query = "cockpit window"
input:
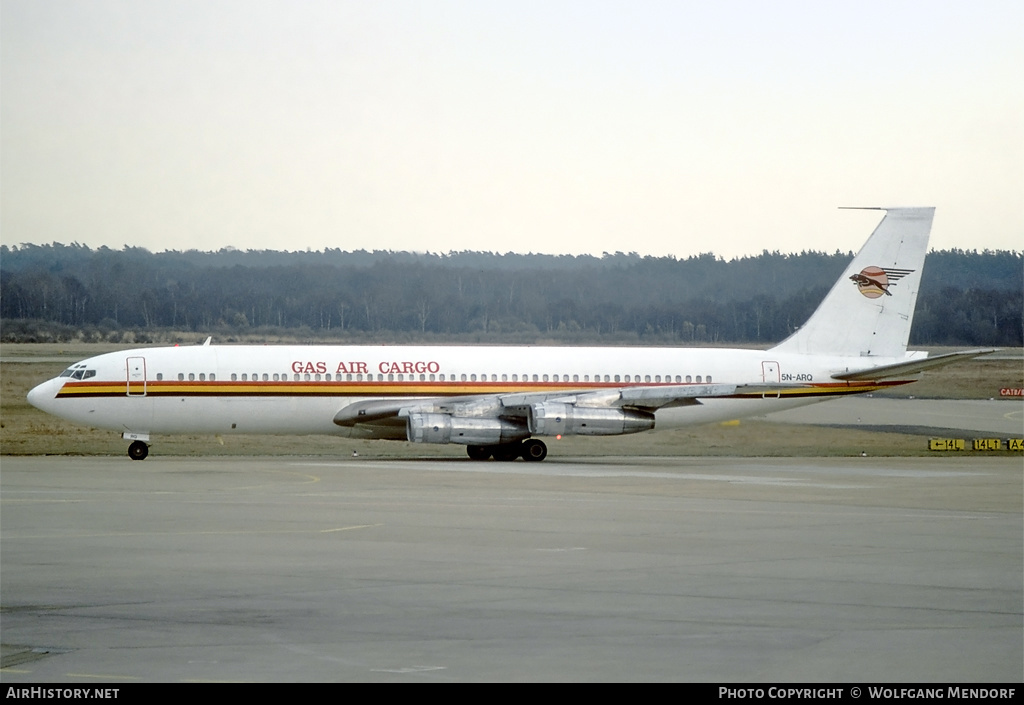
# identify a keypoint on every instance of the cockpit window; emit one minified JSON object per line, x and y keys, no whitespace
{"x":78,"y":372}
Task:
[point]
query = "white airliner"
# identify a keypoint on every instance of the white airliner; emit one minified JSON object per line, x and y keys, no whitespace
{"x":499,"y":401}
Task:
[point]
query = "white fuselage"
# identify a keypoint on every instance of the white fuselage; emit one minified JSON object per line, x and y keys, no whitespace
{"x":300,"y":389}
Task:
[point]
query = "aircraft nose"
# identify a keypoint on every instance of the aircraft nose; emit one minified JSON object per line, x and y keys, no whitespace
{"x":42,"y":396}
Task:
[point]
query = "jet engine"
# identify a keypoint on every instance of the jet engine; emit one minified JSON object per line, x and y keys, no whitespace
{"x":444,"y":428}
{"x":556,"y":418}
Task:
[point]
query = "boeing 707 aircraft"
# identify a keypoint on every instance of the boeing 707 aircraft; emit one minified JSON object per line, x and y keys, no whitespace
{"x":500,"y":402}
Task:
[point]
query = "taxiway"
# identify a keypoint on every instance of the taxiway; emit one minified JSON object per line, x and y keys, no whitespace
{"x":614,"y":569}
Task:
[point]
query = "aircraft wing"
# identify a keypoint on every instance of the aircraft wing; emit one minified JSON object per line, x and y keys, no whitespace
{"x":516,"y":405}
{"x":902,"y":369}
{"x":647,"y":398}
{"x":381,"y":411}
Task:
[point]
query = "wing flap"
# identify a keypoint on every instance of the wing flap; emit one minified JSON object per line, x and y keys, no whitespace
{"x":649,"y":398}
{"x":658,"y":397}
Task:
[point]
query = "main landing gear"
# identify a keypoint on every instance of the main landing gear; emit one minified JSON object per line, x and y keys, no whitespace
{"x":531,"y":450}
{"x":138,"y":450}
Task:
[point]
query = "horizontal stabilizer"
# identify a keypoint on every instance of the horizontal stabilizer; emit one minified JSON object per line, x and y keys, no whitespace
{"x":902,"y":369}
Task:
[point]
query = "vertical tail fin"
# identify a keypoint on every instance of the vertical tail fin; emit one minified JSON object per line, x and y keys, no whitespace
{"x":870,"y":309}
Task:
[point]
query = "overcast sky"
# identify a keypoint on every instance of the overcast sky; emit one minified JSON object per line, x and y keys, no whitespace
{"x":671,"y":127}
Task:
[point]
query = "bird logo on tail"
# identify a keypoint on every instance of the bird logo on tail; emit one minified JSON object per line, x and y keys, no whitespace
{"x":873,"y":282}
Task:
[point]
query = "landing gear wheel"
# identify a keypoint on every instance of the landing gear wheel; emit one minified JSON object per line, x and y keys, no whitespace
{"x":478,"y":452}
{"x":534,"y":450}
{"x":138,"y":450}
{"x":508,"y":452}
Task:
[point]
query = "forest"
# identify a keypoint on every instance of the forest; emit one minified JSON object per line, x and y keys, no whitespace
{"x":62,"y":292}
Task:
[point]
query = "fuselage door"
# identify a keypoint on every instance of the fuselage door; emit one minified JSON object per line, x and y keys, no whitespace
{"x":136,"y":376}
{"x":770,"y":373}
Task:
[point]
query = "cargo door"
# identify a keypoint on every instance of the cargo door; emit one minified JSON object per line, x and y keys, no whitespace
{"x":136,"y":376}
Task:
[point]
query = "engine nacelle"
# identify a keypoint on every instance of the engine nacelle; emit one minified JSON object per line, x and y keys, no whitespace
{"x":556,"y":418}
{"x":443,"y":428}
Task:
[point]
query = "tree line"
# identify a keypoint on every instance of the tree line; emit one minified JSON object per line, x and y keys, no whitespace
{"x":73,"y":291}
